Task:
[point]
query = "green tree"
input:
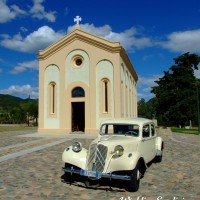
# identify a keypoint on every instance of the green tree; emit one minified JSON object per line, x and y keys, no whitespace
{"x":142,"y":108}
{"x":17,"y":115}
{"x":147,"y":109}
{"x":176,"y":91}
{"x":30,"y":109}
{"x":33,"y":111}
{"x":17,"y":110}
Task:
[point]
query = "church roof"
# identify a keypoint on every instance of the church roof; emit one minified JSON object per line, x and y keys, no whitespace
{"x":83,"y":36}
{"x":78,"y":34}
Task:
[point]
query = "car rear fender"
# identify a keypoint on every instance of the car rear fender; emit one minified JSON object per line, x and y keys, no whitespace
{"x":75,"y":158}
{"x":159,"y":145}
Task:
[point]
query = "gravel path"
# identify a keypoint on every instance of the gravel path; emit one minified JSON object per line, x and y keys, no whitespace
{"x":37,"y":174}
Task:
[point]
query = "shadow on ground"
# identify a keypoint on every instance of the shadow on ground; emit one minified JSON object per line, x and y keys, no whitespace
{"x":101,"y":184}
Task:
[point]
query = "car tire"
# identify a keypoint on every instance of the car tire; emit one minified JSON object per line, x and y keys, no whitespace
{"x":92,"y":184}
{"x":158,"y":159}
{"x":135,"y":179}
{"x":67,"y":178}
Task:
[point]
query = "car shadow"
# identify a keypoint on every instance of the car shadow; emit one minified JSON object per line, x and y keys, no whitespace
{"x":101,"y":184}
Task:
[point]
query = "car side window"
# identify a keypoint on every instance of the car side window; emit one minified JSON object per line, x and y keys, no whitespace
{"x":104,"y":129}
{"x":146,"y":131}
{"x":152,"y":130}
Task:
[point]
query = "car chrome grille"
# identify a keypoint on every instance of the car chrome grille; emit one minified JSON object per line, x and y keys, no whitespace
{"x":91,"y":156}
{"x":97,"y":157}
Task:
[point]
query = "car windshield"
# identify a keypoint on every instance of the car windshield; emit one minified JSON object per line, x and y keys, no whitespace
{"x":120,"y":129}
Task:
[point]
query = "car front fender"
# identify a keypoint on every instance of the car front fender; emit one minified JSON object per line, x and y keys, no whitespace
{"x":126,"y":162}
{"x":75,"y":158}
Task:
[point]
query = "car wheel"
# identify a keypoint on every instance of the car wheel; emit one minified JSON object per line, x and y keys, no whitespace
{"x":67,"y":178}
{"x":92,"y":184}
{"x":135,"y":179}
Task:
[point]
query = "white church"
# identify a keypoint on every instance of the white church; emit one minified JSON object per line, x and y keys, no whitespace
{"x":83,"y":80}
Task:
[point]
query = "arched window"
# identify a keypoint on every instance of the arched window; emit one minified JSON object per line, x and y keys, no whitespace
{"x":106,"y":96}
{"x":105,"y":83}
{"x":78,"y":92}
{"x":52,"y":95}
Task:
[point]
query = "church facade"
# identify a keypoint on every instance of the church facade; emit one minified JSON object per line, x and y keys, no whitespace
{"x":84,"y":80}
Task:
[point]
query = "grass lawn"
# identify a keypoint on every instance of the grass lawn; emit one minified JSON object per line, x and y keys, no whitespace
{"x":16,"y":128}
{"x":186,"y":131}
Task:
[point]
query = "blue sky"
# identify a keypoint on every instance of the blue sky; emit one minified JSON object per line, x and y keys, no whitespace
{"x":152,"y":32}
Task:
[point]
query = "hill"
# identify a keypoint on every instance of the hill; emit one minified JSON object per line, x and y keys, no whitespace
{"x":17,"y":110}
{"x":9,"y":102}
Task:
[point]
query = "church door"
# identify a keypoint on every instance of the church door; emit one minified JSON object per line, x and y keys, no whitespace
{"x":78,"y":116}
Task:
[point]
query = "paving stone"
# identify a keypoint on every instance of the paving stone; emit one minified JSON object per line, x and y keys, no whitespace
{"x":37,"y":175}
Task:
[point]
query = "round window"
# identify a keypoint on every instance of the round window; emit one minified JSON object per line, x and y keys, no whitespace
{"x":77,"y":61}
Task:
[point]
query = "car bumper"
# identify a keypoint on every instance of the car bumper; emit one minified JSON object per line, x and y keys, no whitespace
{"x":97,"y":175}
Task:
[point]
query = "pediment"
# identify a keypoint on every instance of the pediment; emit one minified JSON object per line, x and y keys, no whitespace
{"x":82,"y":36}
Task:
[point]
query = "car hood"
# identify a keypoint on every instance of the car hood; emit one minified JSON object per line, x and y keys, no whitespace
{"x":117,"y":139}
{"x":129,"y":143}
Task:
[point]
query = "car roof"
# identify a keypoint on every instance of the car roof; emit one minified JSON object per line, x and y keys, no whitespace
{"x":136,"y":120}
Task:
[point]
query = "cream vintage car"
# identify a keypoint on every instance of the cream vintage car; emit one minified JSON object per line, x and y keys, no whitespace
{"x":121,"y":151}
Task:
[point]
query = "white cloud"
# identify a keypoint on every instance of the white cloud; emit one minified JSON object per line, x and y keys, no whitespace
{"x":144,"y":86}
{"x":17,"y":10}
{"x":4,"y":36}
{"x":130,"y":39}
{"x":25,"y":90}
{"x":38,"y":11}
{"x":197,"y":72}
{"x":146,"y":96}
{"x":9,"y":13}
{"x":23,"y":29}
{"x":183,"y":41}
{"x":102,"y":31}
{"x":23,"y":66}
{"x":35,"y":41}
{"x":148,"y":80}
{"x":146,"y":57}
{"x":45,"y":36}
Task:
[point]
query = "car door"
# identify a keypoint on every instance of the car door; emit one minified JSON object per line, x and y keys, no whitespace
{"x":153,"y":141}
{"x":147,"y":143}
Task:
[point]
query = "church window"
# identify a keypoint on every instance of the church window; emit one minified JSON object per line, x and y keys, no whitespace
{"x":105,"y":95}
{"x":77,"y":61}
{"x":52,"y":88}
{"x":78,"y":92}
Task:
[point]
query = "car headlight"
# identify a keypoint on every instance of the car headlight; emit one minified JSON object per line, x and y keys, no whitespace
{"x":118,"y":151}
{"x":76,"y":146}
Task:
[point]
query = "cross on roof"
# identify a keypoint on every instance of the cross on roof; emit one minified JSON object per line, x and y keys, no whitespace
{"x":77,"y":19}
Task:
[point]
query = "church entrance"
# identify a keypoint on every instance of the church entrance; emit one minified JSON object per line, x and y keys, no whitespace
{"x":78,"y":116}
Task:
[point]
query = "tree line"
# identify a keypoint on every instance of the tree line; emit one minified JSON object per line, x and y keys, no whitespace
{"x":176,"y":98}
{"x":14,"y":110}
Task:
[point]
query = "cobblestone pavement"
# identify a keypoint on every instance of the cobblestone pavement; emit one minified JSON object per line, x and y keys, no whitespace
{"x":37,"y":175}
